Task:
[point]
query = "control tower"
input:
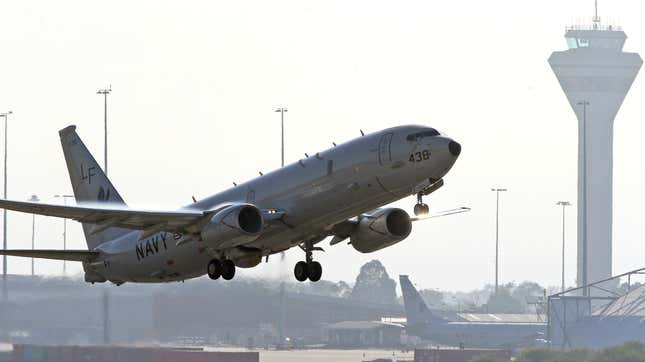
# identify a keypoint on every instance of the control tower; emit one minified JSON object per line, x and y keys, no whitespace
{"x":595,"y":75}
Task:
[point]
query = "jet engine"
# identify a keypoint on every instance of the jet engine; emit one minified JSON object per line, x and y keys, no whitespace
{"x":232,"y":226}
{"x":380,"y":229}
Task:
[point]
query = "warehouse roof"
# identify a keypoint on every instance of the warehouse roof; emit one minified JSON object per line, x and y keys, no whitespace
{"x":354,"y":325}
{"x":631,"y":304}
{"x":501,"y":318}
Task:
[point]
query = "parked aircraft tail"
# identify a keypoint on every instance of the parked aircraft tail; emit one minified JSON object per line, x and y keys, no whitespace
{"x":90,"y":184}
{"x":417,"y":312}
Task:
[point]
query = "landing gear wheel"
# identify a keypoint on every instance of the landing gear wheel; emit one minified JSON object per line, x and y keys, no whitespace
{"x":308,"y":268}
{"x":214,"y":269}
{"x":315,"y":271}
{"x":301,"y":271}
{"x":421,"y":209}
{"x":228,"y":269}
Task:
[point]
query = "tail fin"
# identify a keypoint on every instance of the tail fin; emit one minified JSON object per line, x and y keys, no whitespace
{"x":89,"y":182}
{"x":416,"y":309}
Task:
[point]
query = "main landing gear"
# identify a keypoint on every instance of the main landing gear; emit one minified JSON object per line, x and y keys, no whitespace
{"x":421,"y":209}
{"x":309,"y":268}
{"x":217,"y":268}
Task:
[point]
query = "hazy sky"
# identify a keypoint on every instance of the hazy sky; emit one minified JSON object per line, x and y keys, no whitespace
{"x":196,"y":82}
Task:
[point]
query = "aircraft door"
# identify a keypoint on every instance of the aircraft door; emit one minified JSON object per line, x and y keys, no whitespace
{"x":384,"y":151}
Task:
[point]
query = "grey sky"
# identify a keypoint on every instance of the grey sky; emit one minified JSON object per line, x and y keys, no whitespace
{"x":196,"y":82}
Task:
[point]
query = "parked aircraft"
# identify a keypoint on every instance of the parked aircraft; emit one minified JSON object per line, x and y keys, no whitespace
{"x":473,"y":330}
{"x":338,"y":192}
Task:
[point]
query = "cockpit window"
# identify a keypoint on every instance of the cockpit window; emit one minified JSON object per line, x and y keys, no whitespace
{"x":419,"y":135}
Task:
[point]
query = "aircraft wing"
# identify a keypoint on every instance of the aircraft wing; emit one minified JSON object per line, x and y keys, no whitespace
{"x":70,"y":255}
{"x":105,"y":217}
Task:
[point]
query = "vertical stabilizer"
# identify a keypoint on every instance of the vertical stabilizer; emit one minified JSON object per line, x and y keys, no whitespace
{"x":416,"y":310}
{"x":89,"y":182}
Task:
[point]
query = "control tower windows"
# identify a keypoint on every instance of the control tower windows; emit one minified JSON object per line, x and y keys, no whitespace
{"x":574,"y":43}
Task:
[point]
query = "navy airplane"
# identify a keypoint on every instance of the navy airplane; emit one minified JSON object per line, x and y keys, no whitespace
{"x":470,"y":330}
{"x":340,"y":193}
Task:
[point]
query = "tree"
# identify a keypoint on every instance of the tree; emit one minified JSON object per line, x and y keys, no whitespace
{"x":485,"y":358}
{"x":324,"y":287}
{"x":374,"y":285}
{"x":527,"y":291}
{"x":433,"y":298}
{"x":627,"y":352}
{"x":503,"y":301}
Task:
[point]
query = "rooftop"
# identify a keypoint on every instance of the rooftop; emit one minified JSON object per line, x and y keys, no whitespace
{"x":363,"y":325}
{"x":595,"y":26}
{"x":631,"y":304}
{"x":501,"y":318}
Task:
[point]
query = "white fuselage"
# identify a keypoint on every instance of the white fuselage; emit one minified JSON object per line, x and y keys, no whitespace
{"x":316,"y":193}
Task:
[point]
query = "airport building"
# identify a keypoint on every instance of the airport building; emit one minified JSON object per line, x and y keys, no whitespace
{"x":595,"y":75}
{"x":364,"y":334}
{"x":598,"y":321}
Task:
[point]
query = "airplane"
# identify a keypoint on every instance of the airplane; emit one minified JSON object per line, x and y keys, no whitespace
{"x":474,"y":330}
{"x":339,"y":193}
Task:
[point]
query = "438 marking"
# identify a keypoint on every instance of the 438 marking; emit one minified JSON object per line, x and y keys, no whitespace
{"x":419,"y":156}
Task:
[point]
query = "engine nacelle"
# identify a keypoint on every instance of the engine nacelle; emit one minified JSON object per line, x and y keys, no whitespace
{"x":234,"y":225}
{"x":380,"y":229}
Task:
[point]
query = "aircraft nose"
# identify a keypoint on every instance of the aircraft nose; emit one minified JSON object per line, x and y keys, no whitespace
{"x":454,"y":148}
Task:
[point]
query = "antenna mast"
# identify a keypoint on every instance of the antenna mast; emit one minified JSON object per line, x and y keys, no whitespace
{"x":596,"y":18}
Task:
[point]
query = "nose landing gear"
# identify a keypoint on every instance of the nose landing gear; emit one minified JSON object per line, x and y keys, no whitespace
{"x":421,"y":209}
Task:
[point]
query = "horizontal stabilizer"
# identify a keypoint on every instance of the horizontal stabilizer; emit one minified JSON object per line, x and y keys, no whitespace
{"x":71,"y":255}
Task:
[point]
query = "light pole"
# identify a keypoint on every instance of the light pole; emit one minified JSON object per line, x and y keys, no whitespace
{"x":282,"y":110}
{"x":105,"y":93}
{"x":564,"y":204}
{"x":497,"y":191}
{"x":4,"y":215}
{"x":64,"y":197}
{"x":583,"y":202}
{"x":34,"y":198}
